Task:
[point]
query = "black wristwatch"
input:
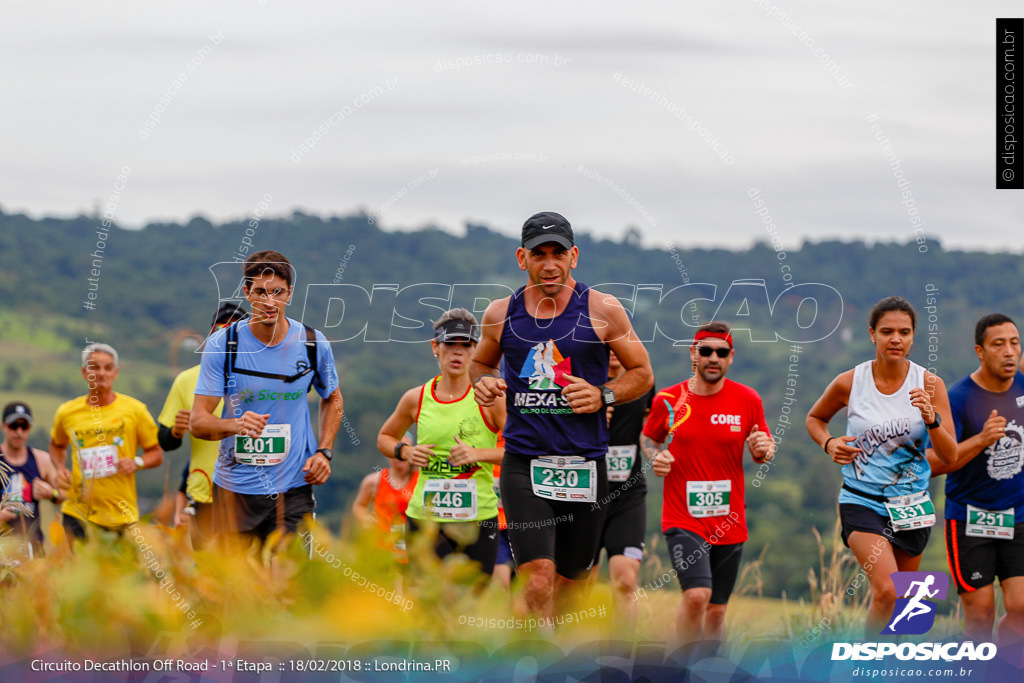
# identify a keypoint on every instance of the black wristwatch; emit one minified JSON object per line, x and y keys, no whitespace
{"x":607,"y":395}
{"x":326,"y":453}
{"x":398,"y":450}
{"x":933,"y":425}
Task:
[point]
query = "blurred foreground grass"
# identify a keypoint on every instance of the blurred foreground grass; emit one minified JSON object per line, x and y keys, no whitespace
{"x":117,"y":595}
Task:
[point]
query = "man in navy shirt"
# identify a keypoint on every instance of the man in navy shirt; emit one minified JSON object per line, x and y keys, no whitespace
{"x":544,"y":351}
{"x":985,"y":485}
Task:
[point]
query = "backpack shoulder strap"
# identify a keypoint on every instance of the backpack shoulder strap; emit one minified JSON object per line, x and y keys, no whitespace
{"x":231,"y":348}
{"x":311,"y":355}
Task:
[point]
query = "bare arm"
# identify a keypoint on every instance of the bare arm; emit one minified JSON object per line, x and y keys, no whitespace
{"x":496,"y":414}
{"x":151,"y":457}
{"x":484,"y":373}
{"x":45,"y":486}
{"x":968,"y":449}
{"x":650,"y":447}
{"x":364,"y":499}
{"x":58,"y":458}
{"x":656,"y":453}
{"x":205,"y":425}
{"x":317,"y":467}
{"x":395,"y":427}
{"x":613,"y":327}
{"x":331,"y":410}
{"x":931,"y":401}
{"x":464,"y":454}
{"x":835,"y":398}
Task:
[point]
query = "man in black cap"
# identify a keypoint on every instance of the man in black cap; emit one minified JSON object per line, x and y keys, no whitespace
{"x":30,"y":476}
{"x":192,"y":503}
{"x":555,"y":334}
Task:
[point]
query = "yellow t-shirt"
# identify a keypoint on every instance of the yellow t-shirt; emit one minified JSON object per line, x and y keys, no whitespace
{"x":100,"y":436}
{"x":204,"y":453}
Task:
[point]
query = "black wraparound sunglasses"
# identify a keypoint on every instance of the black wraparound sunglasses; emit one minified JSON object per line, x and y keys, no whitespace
{"x":706,"y":351}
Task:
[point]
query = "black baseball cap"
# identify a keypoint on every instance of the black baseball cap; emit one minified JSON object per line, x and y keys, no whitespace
{"x":547,"y":226}
{"x":228,"y":312}
{"x":17,"y":411}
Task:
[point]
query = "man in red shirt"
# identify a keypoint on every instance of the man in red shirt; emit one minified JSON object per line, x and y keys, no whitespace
{"x":695,"y":436}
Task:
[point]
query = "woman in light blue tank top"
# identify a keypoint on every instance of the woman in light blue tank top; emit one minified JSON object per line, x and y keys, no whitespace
{"x":896,"y":410}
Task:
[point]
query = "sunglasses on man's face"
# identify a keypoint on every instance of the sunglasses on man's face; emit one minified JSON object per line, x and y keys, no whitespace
{"x":706,"y":351}
{"x":20,"y":424}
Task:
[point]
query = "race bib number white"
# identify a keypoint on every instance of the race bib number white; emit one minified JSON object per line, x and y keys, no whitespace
{"x":571,"y":478}
{"x":620,"y":462}
{"x":269,"y":448}
{"x":990,"y":523}
{"x":450,"y":498}
{"x":708,"y":498}
{"x":99,"y":462}
{"x":915,"y":511}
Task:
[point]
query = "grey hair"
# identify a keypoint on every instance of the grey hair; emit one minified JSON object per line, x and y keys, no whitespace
{"x":102,"y":348}
{"x":455,"y":314}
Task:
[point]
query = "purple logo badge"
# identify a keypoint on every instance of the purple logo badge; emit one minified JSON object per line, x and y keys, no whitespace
{"x":914,"y":612}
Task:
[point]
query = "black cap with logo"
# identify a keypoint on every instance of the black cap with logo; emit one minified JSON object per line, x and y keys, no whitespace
{"x":547,"y":226}
{"x":17,"y":411}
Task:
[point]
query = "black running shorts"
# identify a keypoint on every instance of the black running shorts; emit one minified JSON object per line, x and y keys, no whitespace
{"x":976,"y":562}
{"x":258,"y":515}
{"x":698,"y":564}
{"x":564,"y":531}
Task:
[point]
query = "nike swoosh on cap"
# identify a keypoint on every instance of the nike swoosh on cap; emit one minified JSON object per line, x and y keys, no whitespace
{"x":545,"y":227}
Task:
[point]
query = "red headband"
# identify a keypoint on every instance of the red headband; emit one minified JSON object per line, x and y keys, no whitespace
{"x":704,"y":334}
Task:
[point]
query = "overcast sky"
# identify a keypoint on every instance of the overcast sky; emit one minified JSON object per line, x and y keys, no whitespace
{"x":660,"y":115}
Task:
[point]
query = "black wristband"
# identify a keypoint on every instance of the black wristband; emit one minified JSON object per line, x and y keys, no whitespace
{"x":825,"y":447}
{"x":398,"y":451}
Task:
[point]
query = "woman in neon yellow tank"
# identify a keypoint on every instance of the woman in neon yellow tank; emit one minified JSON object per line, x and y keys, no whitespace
{"x":456,"y":448}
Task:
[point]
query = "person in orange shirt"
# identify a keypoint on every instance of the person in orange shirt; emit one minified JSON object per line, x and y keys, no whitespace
{"x":382,"y":499}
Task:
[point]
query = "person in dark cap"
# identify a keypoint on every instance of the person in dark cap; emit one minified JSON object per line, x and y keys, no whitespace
{"x":193,"y":499}
{"x":554,"y":335}
{"x":30,"y":476}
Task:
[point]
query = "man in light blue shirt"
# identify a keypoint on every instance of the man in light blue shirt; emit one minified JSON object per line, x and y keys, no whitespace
{"x":263,"y":367}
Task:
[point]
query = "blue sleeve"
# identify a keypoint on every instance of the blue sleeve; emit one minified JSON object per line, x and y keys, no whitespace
{"x":325,"y":365}
{"x":211,"y":367}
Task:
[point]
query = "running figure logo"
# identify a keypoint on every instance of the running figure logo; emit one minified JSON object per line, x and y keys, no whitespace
{"x":914,"y":613}
{"x":545,"y":367}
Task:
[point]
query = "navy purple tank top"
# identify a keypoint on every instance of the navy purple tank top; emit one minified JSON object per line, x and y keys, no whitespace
{"x":19,"y":488}
{"x":537,"y":353}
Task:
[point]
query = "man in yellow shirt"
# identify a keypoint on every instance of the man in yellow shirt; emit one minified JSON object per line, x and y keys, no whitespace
{"x":193,"y":502}
{"x":105,"y":431}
